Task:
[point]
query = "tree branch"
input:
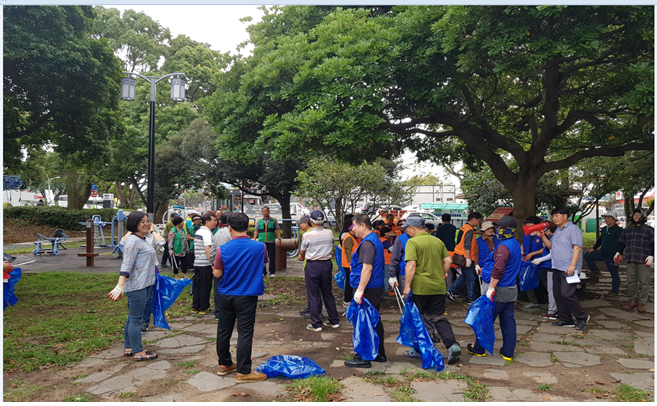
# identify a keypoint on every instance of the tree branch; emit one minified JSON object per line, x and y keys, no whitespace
{"x":618,"y":150}
{"x":38,"y":124}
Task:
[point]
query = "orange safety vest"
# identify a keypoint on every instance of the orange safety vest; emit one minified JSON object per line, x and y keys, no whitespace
{"x":474,"y":249}
{"x":345,"y":261}
{"x":392,"y":227}
{"x":387,"y":255}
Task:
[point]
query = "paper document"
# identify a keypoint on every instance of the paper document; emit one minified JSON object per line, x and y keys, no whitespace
{"x":572,"y":279}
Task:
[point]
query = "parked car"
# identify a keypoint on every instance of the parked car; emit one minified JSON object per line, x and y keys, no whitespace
{"x":416,"y":208}
{"x":428,"y":218}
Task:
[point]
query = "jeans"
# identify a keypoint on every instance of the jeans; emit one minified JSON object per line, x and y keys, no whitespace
{"x":612,"y":267}
{"x":242,"y":308}
{"x":467,"y":276}
{"x":138,"y":302}
{"x":638,"y":281}
{"x":508,"y":327}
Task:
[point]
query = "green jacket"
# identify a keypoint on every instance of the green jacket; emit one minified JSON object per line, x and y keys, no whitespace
{"x":609,"y":240}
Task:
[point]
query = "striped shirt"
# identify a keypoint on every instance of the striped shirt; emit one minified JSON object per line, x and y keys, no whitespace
{"x":139,"y":260}
{"x":562,"y":247}
{"x":318,"y":243}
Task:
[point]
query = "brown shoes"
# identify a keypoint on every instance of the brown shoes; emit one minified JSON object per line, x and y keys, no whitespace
{"x":224,"y":370}
{"x":641,"y":308}
{"x":252,"y":377}
{"x":632,"y":304}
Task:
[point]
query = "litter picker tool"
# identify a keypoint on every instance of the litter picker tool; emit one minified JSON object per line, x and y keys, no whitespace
{"x":400,"y":299}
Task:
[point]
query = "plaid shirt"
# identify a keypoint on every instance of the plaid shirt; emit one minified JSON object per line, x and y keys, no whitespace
{"x":139,"y":259}
{"x":638,"y":241}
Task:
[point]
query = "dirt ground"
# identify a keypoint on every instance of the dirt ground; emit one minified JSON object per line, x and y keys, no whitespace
{"x":16,"y":231}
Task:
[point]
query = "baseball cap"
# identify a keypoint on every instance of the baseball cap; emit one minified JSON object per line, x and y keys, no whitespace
{"x":196,"y":216}
{"x":317,"y":217}
{"x":609,"y":214}
{"x":486,"y":225}
{"x":415,"y":222}
{"x":506,"y":221}
{"x":305,"y":219}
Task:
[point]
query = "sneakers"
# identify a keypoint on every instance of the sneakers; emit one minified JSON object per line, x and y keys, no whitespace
{"x":252,"y":377}
{"x":144,"y":329}
{"x":531,"y":306}
{"x":454,"y":354}
{"x":307,"y":315}
{"x":327,"y":324}
{"x":311,"y":328}
{"x":581,"y":325}
{"x":224,"y":370}
{"x":272,"y":275}
{"x":470,"y":302}
{"x":504,"y":357}
{"x":413,"y":354}
{"x":451,"y":296}
{"x":549,"y":316}
{"x":561,"y":323}
{"x":304,"y":311}
{"x":203,"y":312}
{"x":195,"y":311}
{"x":471,"y":350}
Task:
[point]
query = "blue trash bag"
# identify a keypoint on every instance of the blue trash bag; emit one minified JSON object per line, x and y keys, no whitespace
{"x":8,"y":296}
{"x":481,"y":317}
{"x":414,"y":334}
{"x":341,"y":275}
{"x":291,"y":366}
{"x":528,"y":276}
{"x":364,"y":318}
{"x":166,"y":292}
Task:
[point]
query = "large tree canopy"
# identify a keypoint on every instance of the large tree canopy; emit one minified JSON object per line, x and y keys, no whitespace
{"x":542,"y":87}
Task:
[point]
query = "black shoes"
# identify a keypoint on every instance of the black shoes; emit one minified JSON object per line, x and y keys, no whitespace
{"x":451,"y":296}
{"x":581,"y":325}
{"x":380,"y":358}
{"x":358,"y":362}
{"x":562,"y":323}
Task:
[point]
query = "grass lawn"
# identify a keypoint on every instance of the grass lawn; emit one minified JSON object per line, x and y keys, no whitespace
{"x":62,"y":317}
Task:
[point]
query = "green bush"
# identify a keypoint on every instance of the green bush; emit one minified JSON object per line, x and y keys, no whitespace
{"x":58,"y":217}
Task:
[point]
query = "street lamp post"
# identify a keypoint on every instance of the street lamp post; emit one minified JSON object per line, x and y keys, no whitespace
{"x":51,"y":194}
{"x":177,"y":94}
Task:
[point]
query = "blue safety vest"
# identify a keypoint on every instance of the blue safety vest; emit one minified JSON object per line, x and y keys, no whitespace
{"x":512,"y":268}
{"x":243,"y":260}
{"x":376,"y":280}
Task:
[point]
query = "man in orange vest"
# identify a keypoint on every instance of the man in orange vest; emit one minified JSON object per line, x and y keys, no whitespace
{"x":466,"y":256}
{"x":390,"y":222}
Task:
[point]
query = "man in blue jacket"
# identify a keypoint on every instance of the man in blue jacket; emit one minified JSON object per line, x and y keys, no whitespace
{"x":501,"y":272}
{"x":367,"y":277}
{"x":239,"y":265}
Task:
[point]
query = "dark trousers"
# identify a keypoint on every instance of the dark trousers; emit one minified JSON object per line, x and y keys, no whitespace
{"x":215,"y":293}
{"x":348,"y":290}
{"x":319,"y":284}
{"x":612,"y":267}
{"x":190,"y":259}
{"x":375,"y":296}
{"x":508,"y":326}
{"x":242,"y":308}
{"x":165,"y":256}
{"x":271,"y":253}
{"x":202,"y":286}
{"x":179,"y":264}
{"x":432,"y":310}
{"x":567,"y":303}
{"x":468,"y":276}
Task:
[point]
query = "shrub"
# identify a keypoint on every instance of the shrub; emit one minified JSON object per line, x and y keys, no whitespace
{"x":58,"y":217}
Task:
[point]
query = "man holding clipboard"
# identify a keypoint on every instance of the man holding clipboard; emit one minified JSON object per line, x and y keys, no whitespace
{"x":566,"y":249}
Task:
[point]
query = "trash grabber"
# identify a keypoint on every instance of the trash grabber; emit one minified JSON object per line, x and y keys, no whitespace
{"x":400,"y":299}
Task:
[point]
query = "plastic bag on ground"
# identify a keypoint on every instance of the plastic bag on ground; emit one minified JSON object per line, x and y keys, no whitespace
{"x":364,"y":318}
{"x":8,"y":296}
{"x":528,"y":276}
{"x":341,"y":275}
{"x":166,"y":292}
{"x":481,"y":318}
{"x":291,"y":366}
{"x":413,"y":333}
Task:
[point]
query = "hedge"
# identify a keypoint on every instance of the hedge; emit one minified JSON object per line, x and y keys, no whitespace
{"x":58,"y":217}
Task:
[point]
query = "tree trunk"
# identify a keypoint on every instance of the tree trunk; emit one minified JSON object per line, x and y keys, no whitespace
{"x":121,"y":195}
{"x":286,"y":226}
{"x":79,"y":190}
{"x":524,"y":203}
{"x":160,"y":209}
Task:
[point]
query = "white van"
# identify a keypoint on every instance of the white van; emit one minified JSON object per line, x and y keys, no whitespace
{"x":62,"y":201}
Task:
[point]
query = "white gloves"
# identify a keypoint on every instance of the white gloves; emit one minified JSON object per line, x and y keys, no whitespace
{"x":116,"y":293}
{"x":468,"y":262}
{"x":649,"y":261}
{"x":358,"y":296}
{"x":537,"y":261}
{"x":617,"y":257}
{"x":393,"y":282}
{"x":489,"y":293}
{"x":478,"y":269}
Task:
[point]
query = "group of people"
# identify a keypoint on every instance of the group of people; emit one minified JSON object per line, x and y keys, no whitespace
{"x":375,"y":258}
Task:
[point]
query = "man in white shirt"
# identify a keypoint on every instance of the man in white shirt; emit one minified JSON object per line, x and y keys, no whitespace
{"x":219,"y":238}
{"x":203,"y":257}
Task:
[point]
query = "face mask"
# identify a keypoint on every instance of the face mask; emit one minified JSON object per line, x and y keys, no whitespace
{"x":505,"y":233}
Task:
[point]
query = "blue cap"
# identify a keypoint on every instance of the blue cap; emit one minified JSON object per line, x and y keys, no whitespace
{"x":317,"y":216}
{"x":415,"y":222}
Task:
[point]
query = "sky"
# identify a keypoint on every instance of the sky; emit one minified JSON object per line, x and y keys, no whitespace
{"x":220,"y":26}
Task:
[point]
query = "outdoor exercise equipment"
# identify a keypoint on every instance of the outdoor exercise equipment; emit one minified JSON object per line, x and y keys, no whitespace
{"x":98,"y":231}
{"x":119,"y":220}
{"x":58,"y":238}
{"x":90,"y":254}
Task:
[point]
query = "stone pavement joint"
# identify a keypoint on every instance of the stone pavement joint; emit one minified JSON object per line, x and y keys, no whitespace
{"x":206,"y":382}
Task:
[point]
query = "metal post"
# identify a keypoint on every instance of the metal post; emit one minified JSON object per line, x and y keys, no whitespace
{"x":597,"y":221}
{"x":151,"y":158}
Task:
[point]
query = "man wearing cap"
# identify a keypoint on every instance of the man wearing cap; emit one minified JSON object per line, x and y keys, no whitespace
{"x":397,"y":267}
{"x":566,"y":253}
{"x":317,"y":250}
{"x":500,"y":271}
{"x":608,"y":244}
{"x":305,"y":224}
{"x":427,"y":260}
{"x":267,"y":229}
{"x":486,"y":244}
{"x":639,"y":240}
{"x":367,"y":273}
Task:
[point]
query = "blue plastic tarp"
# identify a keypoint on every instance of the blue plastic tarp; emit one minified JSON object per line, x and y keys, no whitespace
{"x":481,"y":317}
{"x":291,"y":366}
{"x":166,"y":292}
{"x":413,"y":333}
{"x":8,"y":296}
{"x":528,"y":276}
{"x":341,"y":275}
{"x":364,"y":318}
